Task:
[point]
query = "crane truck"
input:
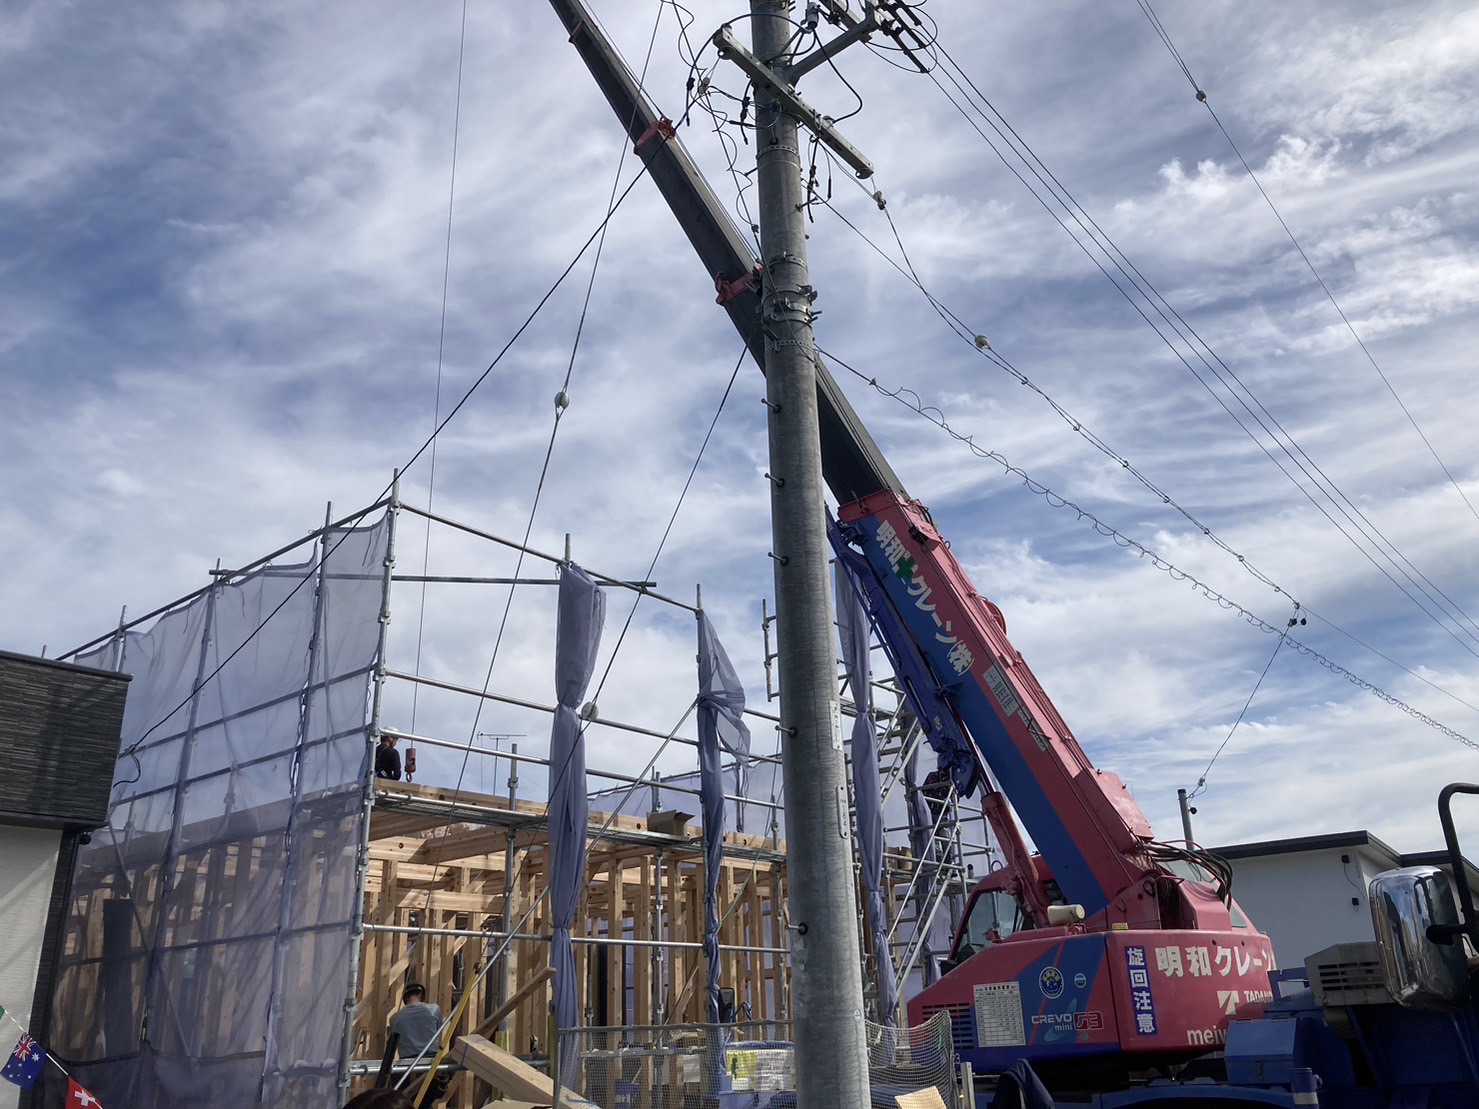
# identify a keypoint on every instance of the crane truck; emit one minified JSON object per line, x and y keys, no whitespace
{"x":1106,"y":957}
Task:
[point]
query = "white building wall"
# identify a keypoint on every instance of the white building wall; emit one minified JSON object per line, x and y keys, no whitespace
{"x":28,"y":858}
{"x":1304,"y":900}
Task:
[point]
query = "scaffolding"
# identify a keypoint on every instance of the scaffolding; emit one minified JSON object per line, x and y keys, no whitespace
{"x":242,"y":930}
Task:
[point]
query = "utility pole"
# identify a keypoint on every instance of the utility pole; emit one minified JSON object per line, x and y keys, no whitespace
{"x":1186,"y":811}
{"x":826,"y":992}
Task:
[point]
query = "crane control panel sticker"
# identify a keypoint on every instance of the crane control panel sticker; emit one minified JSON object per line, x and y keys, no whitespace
{"x":1142,"y":1001}
{"x":999,"y":1015}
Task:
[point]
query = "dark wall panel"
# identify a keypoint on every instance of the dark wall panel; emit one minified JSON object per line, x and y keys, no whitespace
{"x":59,"y":735}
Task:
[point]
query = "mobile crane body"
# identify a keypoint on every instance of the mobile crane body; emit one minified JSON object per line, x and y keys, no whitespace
{"x":1140,"y":963}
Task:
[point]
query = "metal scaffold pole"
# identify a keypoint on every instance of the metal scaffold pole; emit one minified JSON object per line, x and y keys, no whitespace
{"x":827,"y":994}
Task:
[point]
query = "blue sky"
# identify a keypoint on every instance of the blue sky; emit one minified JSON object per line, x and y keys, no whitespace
{"x":225,"y":235}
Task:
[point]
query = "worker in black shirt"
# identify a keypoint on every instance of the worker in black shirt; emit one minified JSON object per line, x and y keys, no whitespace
{"x":387,"y":758}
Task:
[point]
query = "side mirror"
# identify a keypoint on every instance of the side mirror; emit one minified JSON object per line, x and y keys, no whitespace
{"x":1408,"y":907}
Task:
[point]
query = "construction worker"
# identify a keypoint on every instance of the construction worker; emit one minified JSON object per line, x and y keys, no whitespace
{"x":416,"y":1022}
{"x":387,"y":758}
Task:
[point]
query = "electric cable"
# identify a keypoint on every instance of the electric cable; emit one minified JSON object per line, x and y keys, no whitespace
{"x":973,"y":339}
{"x":700,"y":95}
{"x":686,"y":19}
{"x":1201,"y":786}
{"x":1215,"y":365}
{"x":1358,"y":520}
{"x":924,"y":45}
{"x":1201,"y":96}
{"x":1077,"y":425}
{"x":845,"y":83}
{"x":672,"y":519}
{"x":1165,"y":565}
{"x":651,"y":568}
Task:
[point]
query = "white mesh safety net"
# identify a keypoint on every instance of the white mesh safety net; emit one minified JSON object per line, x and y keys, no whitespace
{"x":206,"y":959}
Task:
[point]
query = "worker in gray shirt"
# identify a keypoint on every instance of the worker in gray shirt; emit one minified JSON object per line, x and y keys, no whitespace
{"x":416,"y":1022}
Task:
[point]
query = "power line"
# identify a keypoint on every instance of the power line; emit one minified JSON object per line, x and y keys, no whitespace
{"x":661,"y":543}
{"x":985,"y":350}
{"x":683,"y":493}
{"x":1128,"y":542}
{"x":1218,"y":369}
{"x":964,"y":331}
{"x":1202,"y":780}
{"x":1165,"y":37}
{"x":1223,"y":372}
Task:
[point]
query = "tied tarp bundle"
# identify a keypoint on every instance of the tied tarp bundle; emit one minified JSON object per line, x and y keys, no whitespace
{"x":582,"y":611}
{"x":721,"y":727}
{"x":852,"y":629}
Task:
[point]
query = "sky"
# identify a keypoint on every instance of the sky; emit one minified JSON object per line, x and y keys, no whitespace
{"x":232,"y":296}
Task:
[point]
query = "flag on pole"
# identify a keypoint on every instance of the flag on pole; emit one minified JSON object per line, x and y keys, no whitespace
{"x":79,"y":1098}
{"x":25,"y":1063}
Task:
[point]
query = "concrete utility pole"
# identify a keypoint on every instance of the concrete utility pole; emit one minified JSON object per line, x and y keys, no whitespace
{"x":1186,"y":811}
{"x":826,"y":992}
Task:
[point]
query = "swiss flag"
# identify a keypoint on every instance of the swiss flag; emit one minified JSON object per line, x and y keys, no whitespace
{"x":78,"y":1098}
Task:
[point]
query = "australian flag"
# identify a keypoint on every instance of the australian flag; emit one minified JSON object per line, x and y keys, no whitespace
{"x":25,"y":1063}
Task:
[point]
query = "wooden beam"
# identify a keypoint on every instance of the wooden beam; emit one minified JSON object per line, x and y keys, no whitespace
{"x":389,"y":824}
{"x":502,"y":1070}
{"x":462,"y":844}
{"x":445,"y":900}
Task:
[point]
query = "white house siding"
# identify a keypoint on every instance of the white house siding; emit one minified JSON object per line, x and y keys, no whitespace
{"x":28,"y":859}
{"x":1303,"y":899}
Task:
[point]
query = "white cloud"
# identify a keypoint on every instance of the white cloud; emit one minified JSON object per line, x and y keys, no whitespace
{"x":228,"y":235}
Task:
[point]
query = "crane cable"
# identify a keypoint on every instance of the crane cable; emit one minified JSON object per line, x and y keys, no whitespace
{"x":436,"y":408}
{"x":561,"y":403}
